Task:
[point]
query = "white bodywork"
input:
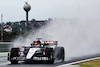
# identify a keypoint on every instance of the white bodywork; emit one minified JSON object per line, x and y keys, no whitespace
{"x":31,"y":52}
{"x":53,"y":46}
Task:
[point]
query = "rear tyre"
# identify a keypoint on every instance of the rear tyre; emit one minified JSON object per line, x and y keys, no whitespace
{"x":59,"y":53}
{"x":14,"y":53}
{"x":63,"y":54}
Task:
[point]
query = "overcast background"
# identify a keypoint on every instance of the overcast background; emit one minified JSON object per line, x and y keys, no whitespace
{"x":12,"y":10}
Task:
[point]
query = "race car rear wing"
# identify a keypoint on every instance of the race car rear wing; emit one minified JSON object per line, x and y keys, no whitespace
{"x":50,"y":42}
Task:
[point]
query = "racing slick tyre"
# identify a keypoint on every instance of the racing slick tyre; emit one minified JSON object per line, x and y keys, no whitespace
{"x":59,"y":53}
{"x":50,"y":61}
{"x":50,"y":53}
{"x":8,"y":58}
{"x":63,"y":54}
{"x":14,"y":53}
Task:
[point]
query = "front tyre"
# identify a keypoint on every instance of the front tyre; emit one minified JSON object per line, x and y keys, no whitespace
{"x":8,"y":58}
{"x":50,"y":54}
{"x":63,"y":54}
{"x":50,"y":61}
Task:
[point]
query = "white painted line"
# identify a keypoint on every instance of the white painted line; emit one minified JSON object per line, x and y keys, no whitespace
{"x":71,"y":66}
{"x":64,"y":65}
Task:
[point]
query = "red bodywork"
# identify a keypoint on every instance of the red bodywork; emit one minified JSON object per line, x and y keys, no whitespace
{"x":45,"y":42}
{"x":35,"y":43}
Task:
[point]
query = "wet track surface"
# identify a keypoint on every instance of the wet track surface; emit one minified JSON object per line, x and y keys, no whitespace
{"x":33,"y":64}
{"x":5,"y":63}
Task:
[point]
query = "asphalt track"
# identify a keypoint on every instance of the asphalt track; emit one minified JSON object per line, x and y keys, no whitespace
{"x":5,"y":63}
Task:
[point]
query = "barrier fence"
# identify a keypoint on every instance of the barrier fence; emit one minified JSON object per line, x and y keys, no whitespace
{"x":5,"y":46}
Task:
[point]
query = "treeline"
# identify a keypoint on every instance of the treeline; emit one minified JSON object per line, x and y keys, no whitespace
{"x":12,"y":30}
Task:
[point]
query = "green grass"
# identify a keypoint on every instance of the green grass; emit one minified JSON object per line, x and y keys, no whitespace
{"x":3,"y":51}
{"x":92,"y":63}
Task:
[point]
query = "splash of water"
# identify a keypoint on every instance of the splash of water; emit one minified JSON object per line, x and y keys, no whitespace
{"x":78,"y":37}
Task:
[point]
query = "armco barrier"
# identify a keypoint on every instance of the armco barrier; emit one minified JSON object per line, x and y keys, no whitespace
{"x":5,"y":46}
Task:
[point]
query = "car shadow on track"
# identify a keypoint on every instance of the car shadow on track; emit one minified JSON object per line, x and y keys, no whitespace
{"x":36,"y":64}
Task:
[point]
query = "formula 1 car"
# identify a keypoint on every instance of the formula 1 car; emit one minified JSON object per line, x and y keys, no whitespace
{"x":46,"y":51}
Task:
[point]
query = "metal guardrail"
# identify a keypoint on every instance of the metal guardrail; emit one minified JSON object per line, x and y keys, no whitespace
{"x":5,"y":46}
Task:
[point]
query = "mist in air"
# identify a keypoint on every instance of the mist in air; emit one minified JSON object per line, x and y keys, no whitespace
{"x":79,"y":38}
{"x":79,"y":33}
